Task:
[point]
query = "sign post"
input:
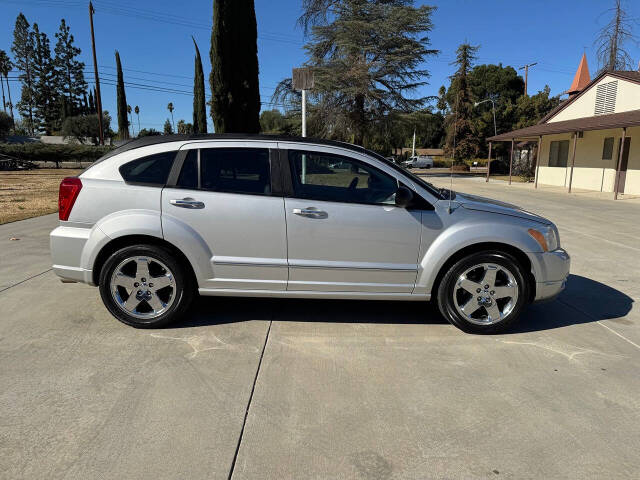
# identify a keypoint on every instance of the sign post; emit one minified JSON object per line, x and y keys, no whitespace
{"x":303,"y":80}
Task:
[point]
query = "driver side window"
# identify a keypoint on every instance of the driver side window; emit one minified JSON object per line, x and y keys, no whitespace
{"x":334,"y":178}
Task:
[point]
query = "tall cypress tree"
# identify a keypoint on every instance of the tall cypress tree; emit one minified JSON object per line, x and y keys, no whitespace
{"x":199,"y":108}
{"x":235,"y":102}
{"x":23,"y":52}
{"x":69,"y":70}
{"x":47,"y":112}
{"x":121,"y":101}
{"x":92,"y":107}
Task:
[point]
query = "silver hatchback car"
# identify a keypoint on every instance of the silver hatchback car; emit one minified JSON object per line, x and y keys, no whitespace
{"x":160,"y":219}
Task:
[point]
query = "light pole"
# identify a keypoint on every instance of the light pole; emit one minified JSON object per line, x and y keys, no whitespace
{"x":495,"y":130}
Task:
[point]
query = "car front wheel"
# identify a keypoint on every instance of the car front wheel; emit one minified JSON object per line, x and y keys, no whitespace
{"x":483,"y":292}
{"x":144,"y":286}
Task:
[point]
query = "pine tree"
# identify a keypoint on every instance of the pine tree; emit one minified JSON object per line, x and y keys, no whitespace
{"x":461,"y":143}
{"x":368,"y":59}
{"x":69,"y":70}
{"x":23,"y":51}
{"x":199,"y":107}
{"x":613,"y":39}
{"x":92,"y":107}
{"x":46,"y":113}
{"x":121,"y":101}
{"x":235,"y":102}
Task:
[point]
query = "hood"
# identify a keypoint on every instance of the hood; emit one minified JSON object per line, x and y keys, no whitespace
{"x":472,"y":202}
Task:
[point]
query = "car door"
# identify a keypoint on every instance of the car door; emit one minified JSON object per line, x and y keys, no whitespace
{"x":344,"y":232}
{"x":223,"y":197}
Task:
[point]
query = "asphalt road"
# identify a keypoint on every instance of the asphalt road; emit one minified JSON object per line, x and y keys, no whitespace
{"x":292,"y":389}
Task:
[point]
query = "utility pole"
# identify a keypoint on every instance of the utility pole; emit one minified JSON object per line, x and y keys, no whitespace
{"x":526,"y":75}
{"x":97,"y":78}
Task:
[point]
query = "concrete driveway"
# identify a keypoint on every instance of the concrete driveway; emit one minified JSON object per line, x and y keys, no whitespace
{"x":292,"y":389}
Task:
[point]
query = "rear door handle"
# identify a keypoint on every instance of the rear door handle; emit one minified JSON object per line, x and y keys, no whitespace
{"x":186,"y":203}
{"x":311,"y":212}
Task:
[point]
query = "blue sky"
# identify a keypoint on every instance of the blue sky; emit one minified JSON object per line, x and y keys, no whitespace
{"x":154,"y":40}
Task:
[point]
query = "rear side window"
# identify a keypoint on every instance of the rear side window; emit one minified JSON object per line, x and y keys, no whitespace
{"x":235,"y":170}
{"x":152,"y":170}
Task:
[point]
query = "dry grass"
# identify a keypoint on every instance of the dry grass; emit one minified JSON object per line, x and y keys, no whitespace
{"x":32,"y":193}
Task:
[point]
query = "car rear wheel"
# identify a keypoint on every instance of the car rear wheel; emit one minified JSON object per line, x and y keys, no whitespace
{"x":483,"y":292}
{"x":145,"y":287}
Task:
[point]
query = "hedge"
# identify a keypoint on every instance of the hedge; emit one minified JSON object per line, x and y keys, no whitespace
{"x":40,"y":152}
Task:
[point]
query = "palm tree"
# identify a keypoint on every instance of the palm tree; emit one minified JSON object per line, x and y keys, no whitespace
{"x":170,"y":108}
{"x":5,"y":68}
{"x":133,"y":134}
{"x":137,"y":110}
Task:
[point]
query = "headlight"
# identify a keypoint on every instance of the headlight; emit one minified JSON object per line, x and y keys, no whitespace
{"x":547,"y":237}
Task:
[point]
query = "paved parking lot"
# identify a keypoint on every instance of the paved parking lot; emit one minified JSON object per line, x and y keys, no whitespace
{"x":292,"y":389}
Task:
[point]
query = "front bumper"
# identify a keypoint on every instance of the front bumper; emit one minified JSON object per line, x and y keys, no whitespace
{"x":551,"y":270}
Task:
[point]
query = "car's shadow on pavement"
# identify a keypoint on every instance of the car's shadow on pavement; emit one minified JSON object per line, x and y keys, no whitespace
{"x":583,"y":301}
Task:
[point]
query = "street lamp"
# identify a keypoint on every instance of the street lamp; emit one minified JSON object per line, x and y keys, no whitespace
{"x":495,"y":130}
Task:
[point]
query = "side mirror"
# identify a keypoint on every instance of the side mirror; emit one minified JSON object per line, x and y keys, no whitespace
{"x":404,"y":197}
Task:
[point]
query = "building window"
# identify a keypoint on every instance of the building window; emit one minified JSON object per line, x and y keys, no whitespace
{"x":559,"y":153}
{"x":607,"y":149}
{"x":606,"y":97}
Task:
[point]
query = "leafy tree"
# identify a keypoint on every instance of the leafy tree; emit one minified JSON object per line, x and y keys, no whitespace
{"x":45,"y":94}
{"x":83,"y":127}
{"x":23,"y":51}
{"x":367,"y":57}
{"x":462,"y":142}
{"x":148,"y":132}
{"x":121,"y":101}
{"x":505,"y":87}
{"x":6,"y":124}
{"x":613,"y":38}
{"x":69,"y":70}
{"x":185,"y":128}
{"x":171,"y":109}
{"x":274,"y":122}
{"x":530,"y":109}
{"x":168,"y":129}
{"x":5,"y":68}
{"x":199,"y":103}
{"x":235,"y":102}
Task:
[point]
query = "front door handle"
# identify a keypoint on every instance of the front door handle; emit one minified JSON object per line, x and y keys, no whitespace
{"x":186,"y":203}
{"x":311,"y":212}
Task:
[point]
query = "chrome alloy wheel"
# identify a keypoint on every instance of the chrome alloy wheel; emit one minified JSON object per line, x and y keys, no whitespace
{"x":485,"y":294}
{"x":143,"y":287}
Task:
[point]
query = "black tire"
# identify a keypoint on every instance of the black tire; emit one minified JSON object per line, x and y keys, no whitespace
{"x":447,"y":288}
{"x":183,"y":288}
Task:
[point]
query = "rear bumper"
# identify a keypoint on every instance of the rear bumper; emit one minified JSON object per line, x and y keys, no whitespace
{"x":68,"y":253}
{"x":551,"y":270}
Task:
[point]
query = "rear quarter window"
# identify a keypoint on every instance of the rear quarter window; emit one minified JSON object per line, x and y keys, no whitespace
{"x":151,"y":170}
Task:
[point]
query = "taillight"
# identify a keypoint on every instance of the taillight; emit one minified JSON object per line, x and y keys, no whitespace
{"x":69,"y":189}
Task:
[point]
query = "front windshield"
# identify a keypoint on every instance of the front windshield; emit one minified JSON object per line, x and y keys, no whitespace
{"x":432,"y":189}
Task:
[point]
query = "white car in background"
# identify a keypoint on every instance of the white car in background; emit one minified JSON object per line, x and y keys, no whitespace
{"x":419,"y":161}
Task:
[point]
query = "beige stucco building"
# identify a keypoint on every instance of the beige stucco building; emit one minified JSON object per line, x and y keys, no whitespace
{"x":592,"y":140}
